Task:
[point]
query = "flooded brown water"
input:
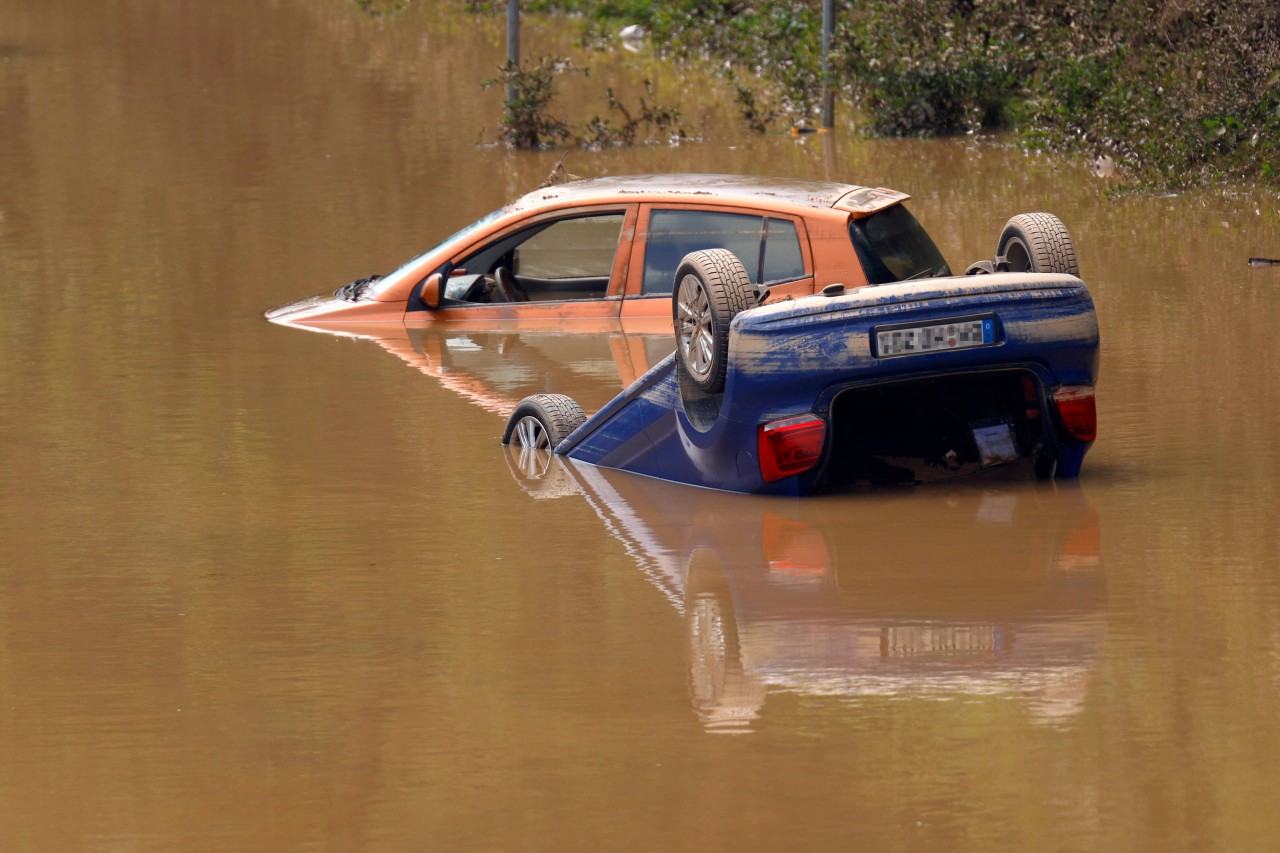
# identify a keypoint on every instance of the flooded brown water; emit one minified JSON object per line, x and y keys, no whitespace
{"x":269,"y":590}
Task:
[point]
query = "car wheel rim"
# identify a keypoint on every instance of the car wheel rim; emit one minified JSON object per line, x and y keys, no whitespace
{"x":530,"y":433}
{"x":695,"y":326}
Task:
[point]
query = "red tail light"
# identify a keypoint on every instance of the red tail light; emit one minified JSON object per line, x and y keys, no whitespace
{"x":790,"y":446}
{"x":1078,"y":410}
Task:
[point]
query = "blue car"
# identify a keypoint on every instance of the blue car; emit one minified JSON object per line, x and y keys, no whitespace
{"x":925,"y":378}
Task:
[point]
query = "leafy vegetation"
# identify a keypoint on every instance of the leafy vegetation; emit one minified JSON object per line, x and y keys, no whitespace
{"x":527,"y":121}
{"x":1173,"y":91}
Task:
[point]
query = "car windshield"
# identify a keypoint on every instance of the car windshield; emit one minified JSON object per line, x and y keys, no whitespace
{"x":893,"y":246}
{"x":386,"y":282}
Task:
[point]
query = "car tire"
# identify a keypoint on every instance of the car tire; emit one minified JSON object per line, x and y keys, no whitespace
{"x":1037,"y":242}
{"x":711,"y":287}
{"x":542,"y":421}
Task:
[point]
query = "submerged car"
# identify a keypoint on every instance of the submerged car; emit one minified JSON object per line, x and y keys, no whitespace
{"x":821,"y":340}
{"x":609,"y":247}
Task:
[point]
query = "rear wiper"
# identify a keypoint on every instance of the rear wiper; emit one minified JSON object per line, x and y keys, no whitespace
{"x":927,"y":271}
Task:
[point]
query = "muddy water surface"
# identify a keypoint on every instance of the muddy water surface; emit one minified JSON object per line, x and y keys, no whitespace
{"x":269,"y":590}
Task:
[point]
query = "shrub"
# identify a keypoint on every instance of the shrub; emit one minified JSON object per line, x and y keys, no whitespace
{"x":526,"y":122}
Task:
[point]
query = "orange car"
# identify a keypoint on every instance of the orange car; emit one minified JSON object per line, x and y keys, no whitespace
{"x":608,"y":248}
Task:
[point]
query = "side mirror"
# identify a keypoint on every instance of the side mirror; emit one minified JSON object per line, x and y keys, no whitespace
{"x":430,"y":295}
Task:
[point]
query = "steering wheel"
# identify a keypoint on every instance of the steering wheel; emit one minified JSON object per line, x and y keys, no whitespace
{"x":506,"y":289}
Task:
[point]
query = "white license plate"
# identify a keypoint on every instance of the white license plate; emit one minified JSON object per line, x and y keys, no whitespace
{"x":955,"y":334}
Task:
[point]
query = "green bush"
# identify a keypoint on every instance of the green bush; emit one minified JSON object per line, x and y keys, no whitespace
{"x":526,"y":119}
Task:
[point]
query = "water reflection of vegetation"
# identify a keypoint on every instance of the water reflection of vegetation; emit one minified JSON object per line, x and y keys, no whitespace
{"x":1175,"y":92}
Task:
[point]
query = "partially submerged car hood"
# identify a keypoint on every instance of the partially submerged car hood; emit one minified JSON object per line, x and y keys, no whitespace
{"x":299,"y":308}
{"x":331,"y":314}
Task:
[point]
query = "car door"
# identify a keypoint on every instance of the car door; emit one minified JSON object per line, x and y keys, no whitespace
{"x":564,"y":265}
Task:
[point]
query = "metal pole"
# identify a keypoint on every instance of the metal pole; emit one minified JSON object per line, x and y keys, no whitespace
{"x":828,"y":96}
{"x":513,"y":41}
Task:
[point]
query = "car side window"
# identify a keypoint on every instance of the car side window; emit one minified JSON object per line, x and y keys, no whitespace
{"x":769,"y":248}
{"x":552,"y":261}
{"x":782,"y":259}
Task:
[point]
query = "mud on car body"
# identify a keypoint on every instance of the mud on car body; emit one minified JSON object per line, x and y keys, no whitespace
{"x":903,"y":384}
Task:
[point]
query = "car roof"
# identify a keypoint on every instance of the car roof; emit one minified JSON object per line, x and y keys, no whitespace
{"x":714,"y":188}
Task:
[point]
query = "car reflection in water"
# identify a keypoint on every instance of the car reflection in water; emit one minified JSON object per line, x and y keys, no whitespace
{"x":962,"y":592}
{"x":979,"y":589}
{"x":496,"y":365}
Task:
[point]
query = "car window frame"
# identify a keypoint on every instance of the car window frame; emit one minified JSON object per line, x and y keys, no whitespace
{"x":634,"y":290}
{"x":548,"y":308}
